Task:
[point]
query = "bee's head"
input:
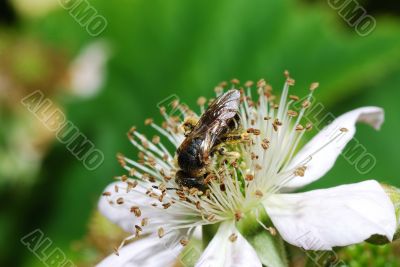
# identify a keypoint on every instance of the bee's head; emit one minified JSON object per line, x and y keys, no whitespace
{"x":189,"y":124}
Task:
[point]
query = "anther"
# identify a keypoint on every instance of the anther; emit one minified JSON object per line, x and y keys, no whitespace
{"x":261,"y":83}
{"x":238,"y":215}
{"x":138,"y":228}
{"x":292,"y":113}
{"x":136,"y":211}
{"x":300,"y":171}
{"x":233,"y":237}
{"x":184,"y":242}
{"x":265,"y":143}
{"x":286,"y":73}
{"x":211,"y":218}
{"x":235,"y":81}
{"x":201,"y":101}
{"x":290,"y":81}
{"x":219,"y":89}
{"x":314,"y":86}
{"x":156,"y":140}
{"x":249,"y":84}
{"x":299,"y":128}
{"x":258,"y":194}
{"x":160,"y":232}
{"x":132,"y":172}
{"x":198,"y":205}
{"x":249,"y":177}
{"x":272,"y":230}
{"x":306,"y":104}
{"x":144,"y":222}
{"x":166,"y":205}
{"x":148,"y":121}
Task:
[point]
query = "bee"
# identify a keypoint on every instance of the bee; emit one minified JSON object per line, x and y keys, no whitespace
{"x":206,"y":137}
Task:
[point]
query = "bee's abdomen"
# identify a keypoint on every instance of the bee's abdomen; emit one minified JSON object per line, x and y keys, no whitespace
{"x":189,"y":157}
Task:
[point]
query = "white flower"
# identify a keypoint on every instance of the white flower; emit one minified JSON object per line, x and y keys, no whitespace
{"x":267,"y":167}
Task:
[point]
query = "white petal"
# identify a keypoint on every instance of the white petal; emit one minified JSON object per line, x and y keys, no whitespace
{"x":149,"y":251}
{"x":120,"y":214}
{"x":221,"y":252}
{"x":324,"y":160}
{"x":339,"y":216}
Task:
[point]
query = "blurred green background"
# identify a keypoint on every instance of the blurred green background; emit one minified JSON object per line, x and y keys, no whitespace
{"x":155,"y":49}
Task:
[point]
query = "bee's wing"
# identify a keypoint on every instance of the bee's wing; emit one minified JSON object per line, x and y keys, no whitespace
{"x":215,"y":119}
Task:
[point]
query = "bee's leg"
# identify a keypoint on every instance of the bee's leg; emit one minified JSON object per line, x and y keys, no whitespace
{"x":234,"y":138}
{"x":229,"y":139}
{"x":220,"y":149}
{"x":183,"y":179}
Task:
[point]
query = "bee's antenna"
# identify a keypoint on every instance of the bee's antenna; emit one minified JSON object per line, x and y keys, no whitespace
{"x":168,"y":188}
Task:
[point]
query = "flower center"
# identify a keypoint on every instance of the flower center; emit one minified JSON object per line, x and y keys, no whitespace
{"x":236,"y":186}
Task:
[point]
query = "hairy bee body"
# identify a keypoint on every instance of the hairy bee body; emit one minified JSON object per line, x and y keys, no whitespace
{"x":190,"y":158}
{"x":193,"y":155}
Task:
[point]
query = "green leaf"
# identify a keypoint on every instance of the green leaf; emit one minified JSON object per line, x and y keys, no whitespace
{"x":270,"y":249}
